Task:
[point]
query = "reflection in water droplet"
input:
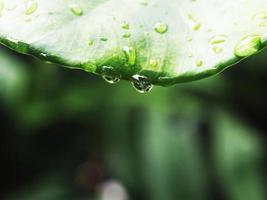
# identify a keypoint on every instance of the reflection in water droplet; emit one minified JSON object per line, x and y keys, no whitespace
{"x":31,"y":7}
{"x":110,"y":75}
{"x":248,"y":46}
{"x":161,"y":28}
{"x":141,"y":83}
{"x":76,"y":9}
{"x":130,"y":54}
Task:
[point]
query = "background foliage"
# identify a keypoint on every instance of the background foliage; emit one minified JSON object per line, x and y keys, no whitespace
{"x":66,"y":134}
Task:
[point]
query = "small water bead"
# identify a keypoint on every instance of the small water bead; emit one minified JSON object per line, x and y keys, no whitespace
{"x":248,"y":46}
{"x":199,"y":63}
{"x":31,"y":7}
{"x":190,"y":55}
{"x":125,"y":25}
{"x":153,"y":63}
{"x":141,"y":83}
{"x":130,"y":54}
{"x":103,"y":39}
{"x":91,"y":42}
{"x":193,"y":23}
{"x":217,"y":49}
{"x":76,"y":9}
{"x":144,"y":2}
{"x":126,"y":34}
{"x":161,"y":28}
{"x":110,"y":75}
{"x":218,"y":39}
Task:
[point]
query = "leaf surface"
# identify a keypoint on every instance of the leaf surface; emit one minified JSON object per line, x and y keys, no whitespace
{"x":166,"y":41}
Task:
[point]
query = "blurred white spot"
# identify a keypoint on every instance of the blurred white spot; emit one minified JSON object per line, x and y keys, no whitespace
{"x":113,"y":190}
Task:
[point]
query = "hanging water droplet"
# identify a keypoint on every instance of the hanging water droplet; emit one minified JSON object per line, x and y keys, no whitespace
{"x":248,"y":46}
{"x":161,"y":28}
{"x":141,"y":83}
{"x":31,"y":7}
{"x":130,"y":54}
{"x":76,"y":9}
{"x":125,"y":25}
{"x":110,"y":75}
{"x":199,"y":63}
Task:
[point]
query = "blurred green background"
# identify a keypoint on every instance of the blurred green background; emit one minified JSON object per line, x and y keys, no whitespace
{"x":68,"y":135}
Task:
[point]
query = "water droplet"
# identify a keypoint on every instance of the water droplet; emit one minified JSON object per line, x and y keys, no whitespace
{"x":189,"y":39}
{"x":130,"y":55}
{"x":199,"y":63}
{"x":110,"y":75}
{"x":190,"y":55}
{"x":217,"y":49}
{"x":31,"y":7}
{"x":161,"y":28}
{"x":126,"y":35}
{"x":144,"y":2}
{"x":193,"y":23}
{"x":141,"y":83}
{"x":153,"y":63}
{"x":218,"y":39}
{"x":90,"y":42}
{"x":76,"y":9}
{"x":125,"y":25}
{"x":103,"y":39}
{"x":261,"y":18}
{"x":248,"y":46}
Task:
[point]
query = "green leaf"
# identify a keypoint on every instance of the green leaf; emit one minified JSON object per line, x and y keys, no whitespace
{"x":164,"y":41}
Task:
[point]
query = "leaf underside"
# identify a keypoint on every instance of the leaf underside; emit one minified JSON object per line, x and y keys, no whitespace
{"x":168,"y":41}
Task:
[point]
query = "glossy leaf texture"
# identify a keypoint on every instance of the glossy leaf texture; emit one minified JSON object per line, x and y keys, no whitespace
{"x":159,"y":42}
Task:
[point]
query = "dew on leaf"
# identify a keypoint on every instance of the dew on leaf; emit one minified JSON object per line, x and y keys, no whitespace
{"x":130,"y":54}
{"x":144,"y":2}
{"x":153,"y":63}
{"x":199,"y":63}
{"x":90,"y":42}
{"x":161,"y":28}
{"x":31,"y":7}
{"x":125,"y":25}
{"x":248,"y":46}
{"x":126,"y":34}
{"x":193,"y":23}
{"x":141,"y":83}
{"x":76,"y":9}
